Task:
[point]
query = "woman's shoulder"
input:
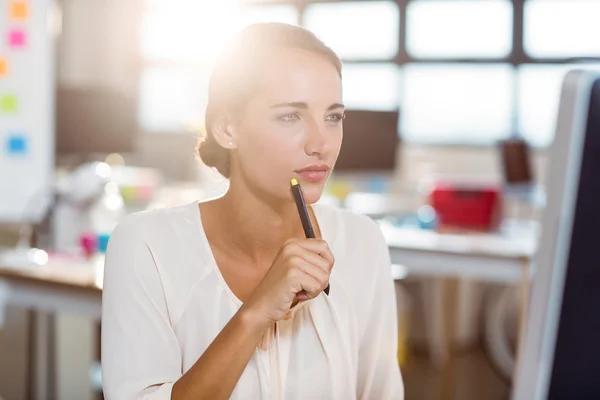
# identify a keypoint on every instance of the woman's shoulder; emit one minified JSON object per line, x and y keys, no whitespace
{"x":172,"y":235}
{"x":157,"y":222}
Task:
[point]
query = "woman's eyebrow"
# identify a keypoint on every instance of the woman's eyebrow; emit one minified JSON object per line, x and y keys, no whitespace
{"x":296,"y":104}
{"x":304,"y":106}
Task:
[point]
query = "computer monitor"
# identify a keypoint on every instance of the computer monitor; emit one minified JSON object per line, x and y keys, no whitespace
{"x":516,"y":161}
{"x":370,"y":142}
{"x":94,"y":120}
{"x":559,"y":357}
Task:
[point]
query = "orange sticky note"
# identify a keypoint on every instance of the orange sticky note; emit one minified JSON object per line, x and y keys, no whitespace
{"x":19,"y":10}
{"x":3,"y":67}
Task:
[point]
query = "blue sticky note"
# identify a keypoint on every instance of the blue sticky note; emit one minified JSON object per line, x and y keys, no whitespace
{"x":16,"y":144}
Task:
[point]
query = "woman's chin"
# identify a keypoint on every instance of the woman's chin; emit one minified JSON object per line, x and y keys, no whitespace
{"x":312,"y":193}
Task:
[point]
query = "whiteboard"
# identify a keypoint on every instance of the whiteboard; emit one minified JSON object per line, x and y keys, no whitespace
{"x":27,"y":82}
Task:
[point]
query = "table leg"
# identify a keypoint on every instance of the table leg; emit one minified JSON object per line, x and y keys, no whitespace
{"x":41,"y":370}
{"x":524,"y":303}
{"x":433,"y":294}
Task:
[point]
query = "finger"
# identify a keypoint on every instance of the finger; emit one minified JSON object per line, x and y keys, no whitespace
{"x":328,"y":255}
{"x":300,"y":297}
{"x":317,"y":246}
{"x":315,"y":272}
{"x":314,"y":245}
{"x":290,"y":247}
{"x":315,"y":251}
{"x":315,"y":259}
{"x":308,"y":278}
{"x":311,"y":286}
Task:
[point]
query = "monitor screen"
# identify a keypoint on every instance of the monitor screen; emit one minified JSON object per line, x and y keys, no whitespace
{"x":559,"y":357}
{"x":370,"y":141}
{"x":94,"y":120}
{"x":577,"y":350}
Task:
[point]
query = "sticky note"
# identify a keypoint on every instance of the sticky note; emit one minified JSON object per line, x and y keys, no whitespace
{"x":17,"y":38}
{"x":19,"y":10}
{"x":3,"y":67}
{"x":8,"y":103}
{"x":16,"y":144}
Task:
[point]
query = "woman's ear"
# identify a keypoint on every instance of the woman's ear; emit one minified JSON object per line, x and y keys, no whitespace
{"x":222,"y":131}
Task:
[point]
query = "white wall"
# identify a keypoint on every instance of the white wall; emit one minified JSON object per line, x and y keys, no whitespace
{"x":92,"y":52}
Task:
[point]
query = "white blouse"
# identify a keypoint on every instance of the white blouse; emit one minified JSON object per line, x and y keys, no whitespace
{"x":165,"y":300}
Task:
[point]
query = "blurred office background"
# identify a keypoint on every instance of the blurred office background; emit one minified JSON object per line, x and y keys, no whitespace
{"x":444,"y":97}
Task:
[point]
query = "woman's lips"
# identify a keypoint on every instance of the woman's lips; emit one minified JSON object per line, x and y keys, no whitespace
{"x":313,"y":175}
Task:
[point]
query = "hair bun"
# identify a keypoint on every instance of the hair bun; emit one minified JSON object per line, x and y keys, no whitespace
{"x":214,"y":155}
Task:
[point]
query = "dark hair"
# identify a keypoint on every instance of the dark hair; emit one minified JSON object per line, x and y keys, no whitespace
{"x":236,"y":71}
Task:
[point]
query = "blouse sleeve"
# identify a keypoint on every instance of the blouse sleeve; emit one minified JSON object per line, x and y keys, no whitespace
{"x":140,"y":353}
{"x":379,"y":375}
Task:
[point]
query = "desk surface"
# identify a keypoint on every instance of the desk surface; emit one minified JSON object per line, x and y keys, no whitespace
{"x":515,"y":245}
{"x":57,"y":273}
{"x":517,"y":242}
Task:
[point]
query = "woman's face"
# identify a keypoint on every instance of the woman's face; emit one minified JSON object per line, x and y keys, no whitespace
{"x":292,"y":127}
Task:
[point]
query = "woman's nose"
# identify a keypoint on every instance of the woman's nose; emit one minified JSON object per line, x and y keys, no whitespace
{"x":316,"y":139}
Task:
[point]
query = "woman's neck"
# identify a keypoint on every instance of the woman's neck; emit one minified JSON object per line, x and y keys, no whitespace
{"x":254,"y":226}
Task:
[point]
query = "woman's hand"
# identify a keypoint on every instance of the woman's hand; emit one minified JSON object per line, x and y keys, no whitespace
{"x":299,"y":272}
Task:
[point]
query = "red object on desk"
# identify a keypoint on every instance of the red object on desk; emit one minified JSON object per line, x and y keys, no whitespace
{"x":89,"y":244}
{"x":475,"y":207}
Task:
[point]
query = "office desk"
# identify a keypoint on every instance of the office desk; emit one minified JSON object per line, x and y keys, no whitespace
{"x":59,"y":287}
{"x":491,"y":257}
{"x":72,"y":287}
{"x":503,"y":257}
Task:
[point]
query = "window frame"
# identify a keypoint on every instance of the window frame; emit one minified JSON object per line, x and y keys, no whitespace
{"x":515,"y":58}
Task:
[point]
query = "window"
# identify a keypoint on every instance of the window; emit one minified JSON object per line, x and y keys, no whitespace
{"x":455,"y":29}
{"x":562,"y":28}
{"x":172,"y":98}
{"x":457,"y":103}
{"x":196,"y":32}
{"x":539,"y":93}
{"x":456,"y":75}
{"x":371,"y":86}
{"x":356,"y":30}
{"x":186,"y":33}
{"x":280,"y":13}
{"x":179,"y":41}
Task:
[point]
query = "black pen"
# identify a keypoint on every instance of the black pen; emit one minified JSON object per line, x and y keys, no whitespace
{"x":303,"y":212}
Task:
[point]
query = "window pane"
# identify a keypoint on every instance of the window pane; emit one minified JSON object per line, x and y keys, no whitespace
{"x":356,"y":30}
{"x":456,"y":103}
{"x":184,"y":33}
{"x":278,"y":13}
{"x":539,"y":94}
{"x":459,"y":28}
{"x":562,"y":28}
{"x":371,"y":86}
{"x":172,"y":98}
{"x":197,"y":31}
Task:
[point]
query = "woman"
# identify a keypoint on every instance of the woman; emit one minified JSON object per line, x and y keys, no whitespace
{"x":224,"y":298}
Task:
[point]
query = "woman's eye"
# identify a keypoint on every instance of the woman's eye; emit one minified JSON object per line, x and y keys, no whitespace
{"x":291,"y":117}
{"x":337,"y":117}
